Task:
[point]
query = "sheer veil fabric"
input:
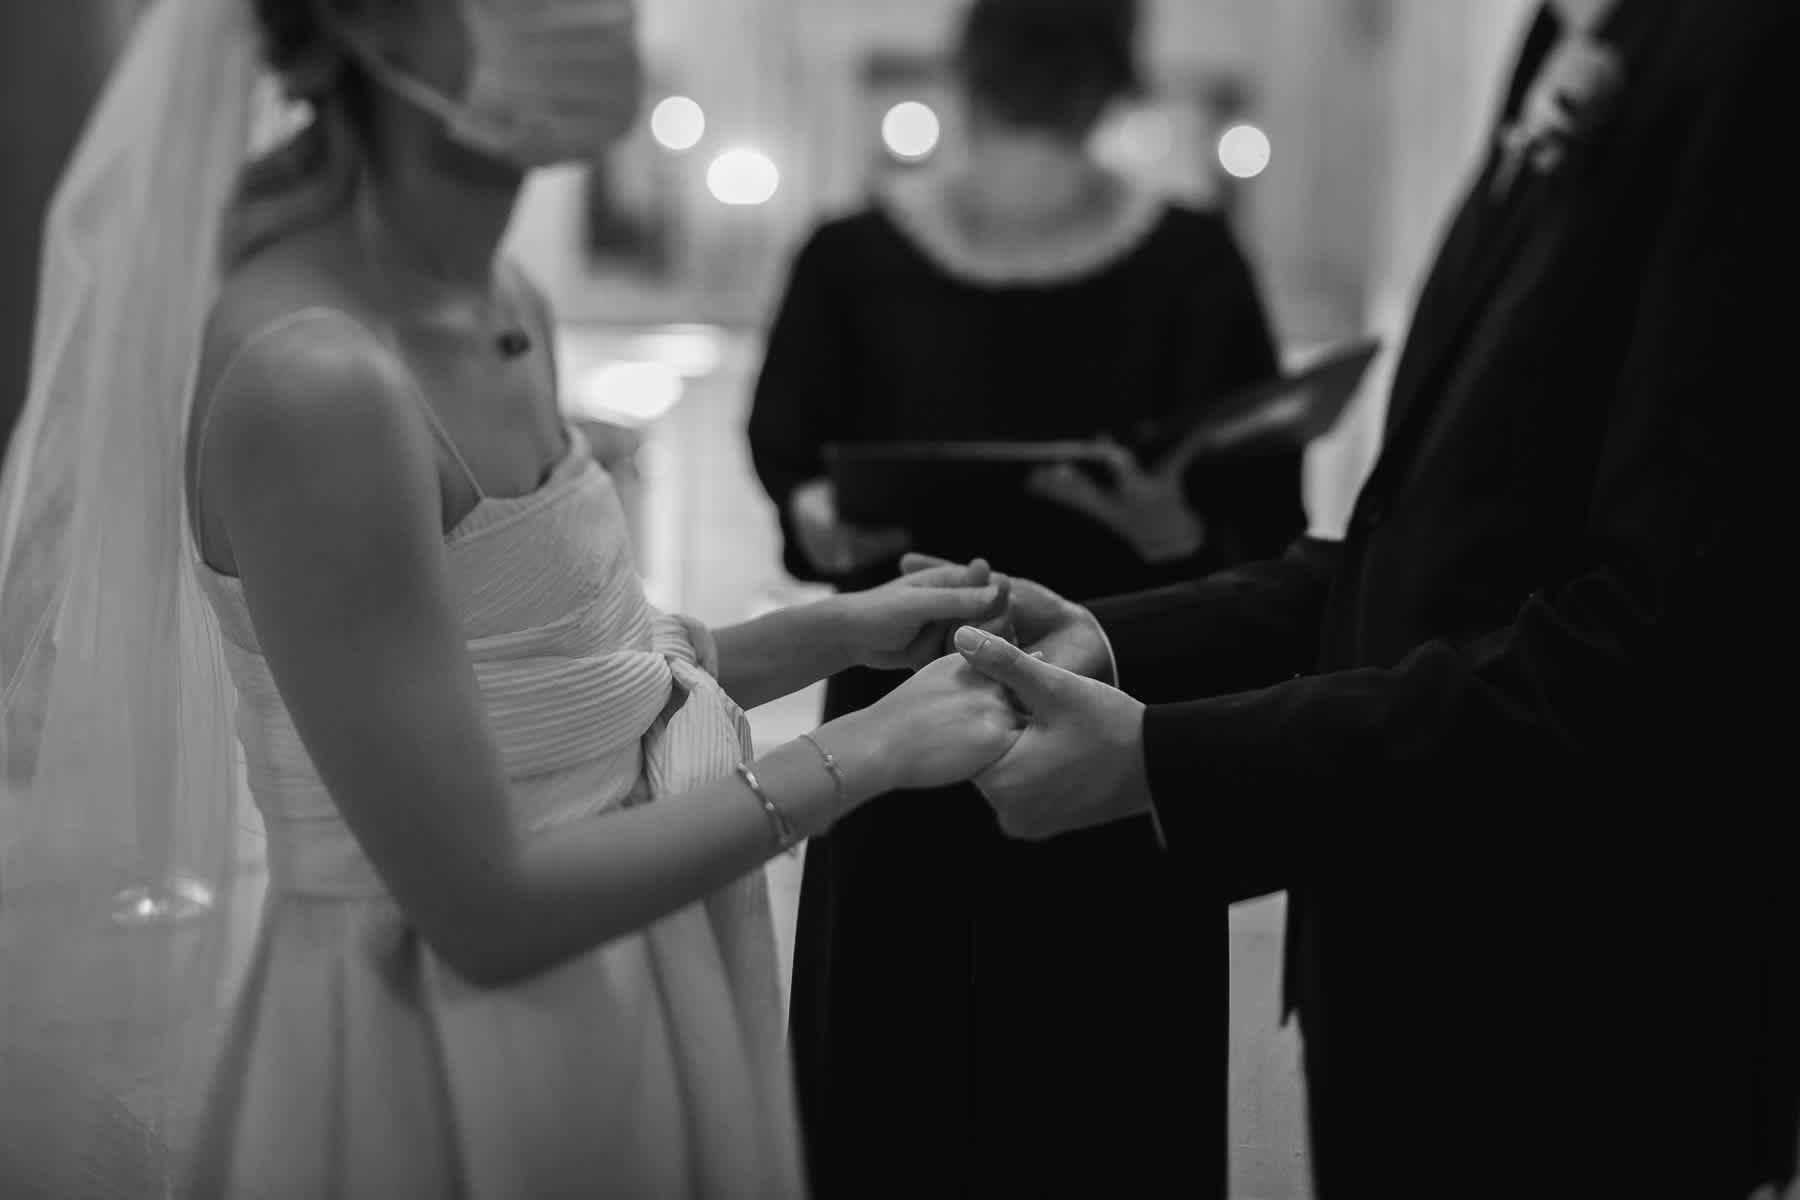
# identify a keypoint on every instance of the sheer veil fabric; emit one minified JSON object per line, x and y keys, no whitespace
{"x":119,"y":807}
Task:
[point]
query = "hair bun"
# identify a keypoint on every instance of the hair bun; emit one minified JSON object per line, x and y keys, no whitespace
{"x":1053,"y":64}
{"x":1106,"y":18}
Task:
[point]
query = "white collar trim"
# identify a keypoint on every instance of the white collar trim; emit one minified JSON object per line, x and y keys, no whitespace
{"x":918,"y":208}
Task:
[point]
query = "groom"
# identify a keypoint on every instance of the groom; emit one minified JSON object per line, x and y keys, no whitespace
{"x":1509,"y":745}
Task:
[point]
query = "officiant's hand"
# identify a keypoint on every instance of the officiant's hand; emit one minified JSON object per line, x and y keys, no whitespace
{"x":832,"y":546}
{"x":1079,"y":762}
{"x":1148,"y":508}
{"x":1062,"y":632}
{"x":907,"y":622}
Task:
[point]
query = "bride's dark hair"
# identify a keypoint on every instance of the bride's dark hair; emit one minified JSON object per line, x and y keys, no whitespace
{"x":313,"y":174}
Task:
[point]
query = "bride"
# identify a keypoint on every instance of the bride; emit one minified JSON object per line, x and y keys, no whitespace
{"x":515,"y":941}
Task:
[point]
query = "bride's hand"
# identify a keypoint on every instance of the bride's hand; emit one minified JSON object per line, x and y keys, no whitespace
{"x":906,"y":623}
{"x":946,"y":724}
{"x":1041,"y":622}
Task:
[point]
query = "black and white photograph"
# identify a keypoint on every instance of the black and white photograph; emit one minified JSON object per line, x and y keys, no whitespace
{"x":898,"y":599}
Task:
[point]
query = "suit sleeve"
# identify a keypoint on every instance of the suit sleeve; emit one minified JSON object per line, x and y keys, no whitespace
{"x":1620,"y":696}
{"x":1237,"y":629}
{"x":801,"y":393}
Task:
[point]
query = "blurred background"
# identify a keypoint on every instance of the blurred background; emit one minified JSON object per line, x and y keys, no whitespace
{"x":1333,"y":133}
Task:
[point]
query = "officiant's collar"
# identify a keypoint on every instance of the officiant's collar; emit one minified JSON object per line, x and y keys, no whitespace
{"x":921,"y":209}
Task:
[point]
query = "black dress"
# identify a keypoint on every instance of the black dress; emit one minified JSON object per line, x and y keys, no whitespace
{"x":973,"y":1015}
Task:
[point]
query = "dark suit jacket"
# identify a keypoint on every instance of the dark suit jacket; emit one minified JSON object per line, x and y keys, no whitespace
{"x":1507,"y":745}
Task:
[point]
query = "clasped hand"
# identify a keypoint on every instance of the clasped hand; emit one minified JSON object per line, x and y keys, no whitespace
{"x":1078,"y":763}
{"x":1073,"y":756}
{"x":907,"y":622}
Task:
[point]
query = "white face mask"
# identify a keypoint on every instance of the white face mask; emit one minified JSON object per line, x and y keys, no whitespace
{"x":550,"y":81}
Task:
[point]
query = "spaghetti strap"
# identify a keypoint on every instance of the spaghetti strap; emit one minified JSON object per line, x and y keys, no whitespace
{"x":280,"y":325}
{"x":425,"y":409}
{"x":449,"y":443}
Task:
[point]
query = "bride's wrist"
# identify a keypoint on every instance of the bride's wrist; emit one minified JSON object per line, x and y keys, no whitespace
{"x":865,"y":761}
{"x":834,"y":626}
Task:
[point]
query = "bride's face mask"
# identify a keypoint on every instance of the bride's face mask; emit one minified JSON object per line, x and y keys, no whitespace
{"x":548,"y":81}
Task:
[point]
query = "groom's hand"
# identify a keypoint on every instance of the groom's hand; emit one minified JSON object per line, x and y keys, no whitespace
{"x":1062,"y":633}
{"x":1080,"y":761}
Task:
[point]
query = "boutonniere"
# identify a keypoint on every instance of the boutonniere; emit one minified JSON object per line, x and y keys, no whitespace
{"x":1574,"y":97}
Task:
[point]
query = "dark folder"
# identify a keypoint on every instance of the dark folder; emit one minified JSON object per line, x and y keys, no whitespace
{"x":1287,"y":411}
{"x":898,"y":482}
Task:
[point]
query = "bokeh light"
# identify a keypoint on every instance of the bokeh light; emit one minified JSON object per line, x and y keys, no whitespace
{"x":637,"y":392}
{"x":911,"y":130}
{"x":1244,"y":151}
{"x":678,"y":123}
{"x":743,"y":177}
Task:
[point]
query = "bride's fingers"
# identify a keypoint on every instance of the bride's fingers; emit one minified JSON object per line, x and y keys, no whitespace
{"x":914,"y":561}
{"x":951,"y":575}
{"x":934,"y":605}
{"x":998,"y":611}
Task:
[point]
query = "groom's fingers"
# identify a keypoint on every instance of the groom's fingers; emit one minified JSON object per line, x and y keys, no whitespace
{"x":1032,"y":679}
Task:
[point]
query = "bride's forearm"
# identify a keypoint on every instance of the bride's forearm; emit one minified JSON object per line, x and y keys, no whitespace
{"x":780,"y":653}
{"x":597,"y":880}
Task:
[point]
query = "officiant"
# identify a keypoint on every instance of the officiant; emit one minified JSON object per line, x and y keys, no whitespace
{"x":958,"y":1019}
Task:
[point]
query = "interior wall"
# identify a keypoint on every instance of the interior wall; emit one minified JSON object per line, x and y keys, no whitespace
{"x":53,"y":59}
{"x":1439,"y":69}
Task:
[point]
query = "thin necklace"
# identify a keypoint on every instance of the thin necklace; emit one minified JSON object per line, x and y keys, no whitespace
{"x":511,"y":341}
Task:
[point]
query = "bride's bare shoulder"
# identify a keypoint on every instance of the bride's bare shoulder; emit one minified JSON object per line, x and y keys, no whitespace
{"x":287,"y":338}
{"x":297,"y":385}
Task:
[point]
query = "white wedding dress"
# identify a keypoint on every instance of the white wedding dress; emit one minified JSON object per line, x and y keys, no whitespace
{"x":358,"y":1065}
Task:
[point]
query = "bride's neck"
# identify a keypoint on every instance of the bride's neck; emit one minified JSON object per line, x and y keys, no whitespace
{"x":435,"y":222}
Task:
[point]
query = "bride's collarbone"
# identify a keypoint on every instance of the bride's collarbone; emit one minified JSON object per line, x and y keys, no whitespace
{"x":505,"y":423}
